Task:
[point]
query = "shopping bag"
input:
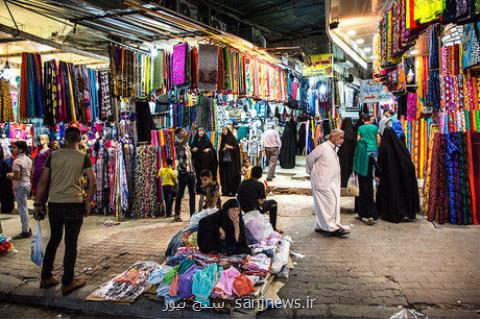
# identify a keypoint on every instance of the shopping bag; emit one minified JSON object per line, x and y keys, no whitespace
{"x":352,"y":185}
{"x":37,"y":246}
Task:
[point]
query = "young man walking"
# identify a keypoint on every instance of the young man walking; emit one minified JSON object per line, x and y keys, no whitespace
{"x":66,"y":207}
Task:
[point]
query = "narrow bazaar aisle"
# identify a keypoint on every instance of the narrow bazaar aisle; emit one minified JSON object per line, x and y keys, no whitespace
{"x":373,"y":271}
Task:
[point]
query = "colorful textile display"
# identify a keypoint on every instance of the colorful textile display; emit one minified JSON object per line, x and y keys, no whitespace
{"x":31,"y":101}
{"x":127,"y":286}
{"x":6,"y":104}
{"x":146,"y":197}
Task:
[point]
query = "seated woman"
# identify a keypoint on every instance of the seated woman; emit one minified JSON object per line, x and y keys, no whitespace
{"x":224,"y":231}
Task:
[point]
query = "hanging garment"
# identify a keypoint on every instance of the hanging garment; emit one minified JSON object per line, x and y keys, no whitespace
{"x":476,"y":175}
{"x":397,"y":195}
{"x":229,"y":165}
{"x":346,"y":152}
{"x":144,"y":121}
{"x":289,"y":145}
{"x":202,"y":160}
{"x":207,"y":67}
{"x":6,"y":105}
{"x":180,"y":55}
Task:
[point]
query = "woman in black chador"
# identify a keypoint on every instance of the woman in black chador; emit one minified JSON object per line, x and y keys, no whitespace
{"x":204,"y":156}
{"x":397,"y":194}
{"x":346,"y":152}
{"x":229,"y":163}
{"x":224,"y":231}
{"x":289,"y":145}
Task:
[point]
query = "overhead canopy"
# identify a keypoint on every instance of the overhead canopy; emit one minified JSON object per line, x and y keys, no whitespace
{"x":92,"y":25}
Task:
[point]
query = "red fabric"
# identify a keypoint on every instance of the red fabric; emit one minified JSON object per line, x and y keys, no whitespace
{"x":243,"y":286}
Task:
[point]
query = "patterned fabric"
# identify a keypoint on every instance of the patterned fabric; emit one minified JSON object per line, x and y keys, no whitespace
{"x":184,"y":158}
{"x":6,"y":106}
{"x":180,"y":54}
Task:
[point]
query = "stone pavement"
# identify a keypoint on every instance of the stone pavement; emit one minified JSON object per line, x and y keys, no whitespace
{"x":368,"y":275}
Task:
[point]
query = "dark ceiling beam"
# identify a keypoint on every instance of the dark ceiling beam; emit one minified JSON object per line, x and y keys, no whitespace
{"x":10,"y":40}
{"x":260,"y":15}
{"x":230,"y":12}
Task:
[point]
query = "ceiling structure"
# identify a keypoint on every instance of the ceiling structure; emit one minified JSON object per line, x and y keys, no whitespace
{"x":94,"y":24}
{"x":357,"y":24}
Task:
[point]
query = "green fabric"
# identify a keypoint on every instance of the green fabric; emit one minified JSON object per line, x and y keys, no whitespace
{"x":361,"y":158}
{"x":369,"y":133}
{"x":170,"y":275}
{"x":158,"y":70}
{"x":185,"y":265}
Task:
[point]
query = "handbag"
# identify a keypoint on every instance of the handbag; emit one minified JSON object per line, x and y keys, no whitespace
{"x":227,"y":157}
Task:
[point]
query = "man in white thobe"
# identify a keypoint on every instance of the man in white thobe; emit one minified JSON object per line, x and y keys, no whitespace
{"x":324,"y":169}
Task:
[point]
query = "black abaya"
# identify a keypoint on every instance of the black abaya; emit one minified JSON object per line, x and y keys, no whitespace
{"x":346,"y":152}
{"x":289,"y":145}
{"x":302,"y":135}
{"x":364,"y":203}
{"x":204,"y":161}
{"x":230,"y":171}
{"x":209,"y":236}
{"x":144,"y":121}
{"x":397,"y":195}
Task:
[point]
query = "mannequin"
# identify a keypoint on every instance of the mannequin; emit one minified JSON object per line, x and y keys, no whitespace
{"x":43,"y":153}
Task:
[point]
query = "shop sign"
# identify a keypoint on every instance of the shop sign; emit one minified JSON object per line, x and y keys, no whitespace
{"x":372,"y":92}
{"x":318,"y":64}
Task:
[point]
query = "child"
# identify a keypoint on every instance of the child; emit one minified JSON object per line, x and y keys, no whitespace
{"x":169,"y":181}
{"x":210,"y":195}
{"x":247,"y":169}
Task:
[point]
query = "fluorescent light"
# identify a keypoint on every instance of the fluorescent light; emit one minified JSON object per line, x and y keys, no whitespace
{"x":360,"y":41}
{"x":367,"y":49}
{"x":413,"y":52}
{"x":351,"y":32}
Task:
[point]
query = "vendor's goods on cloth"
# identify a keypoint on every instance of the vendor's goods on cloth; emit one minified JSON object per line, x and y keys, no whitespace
{"x":201,"y":280}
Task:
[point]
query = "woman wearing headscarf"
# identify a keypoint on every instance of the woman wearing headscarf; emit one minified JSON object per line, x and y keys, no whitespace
{"x":347,"y":151}
{"x":204,"y":157}
{"x":229,"y":163}
{"x":397,"y":194}
{"x":224,"y":231}
{"x":364,"y":161}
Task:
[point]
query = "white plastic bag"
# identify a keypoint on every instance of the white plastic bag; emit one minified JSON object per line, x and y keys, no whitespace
{"x":196,"y":217}
{"x":257,"y":228}
{"x":352,"y":186}
{"x":37,"y":246}
{"x":280,"y":258}
{"x":409,"y":314}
